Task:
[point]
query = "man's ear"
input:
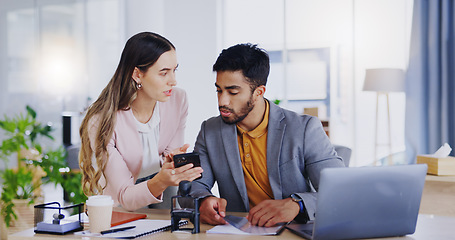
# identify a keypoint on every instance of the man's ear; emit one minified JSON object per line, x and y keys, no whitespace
{"x":259,"y":91}
{"x":137,"y":74}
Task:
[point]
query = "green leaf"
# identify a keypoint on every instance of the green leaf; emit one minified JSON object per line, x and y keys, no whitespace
{"x":8,"y":125}
{"x":31,"y":111}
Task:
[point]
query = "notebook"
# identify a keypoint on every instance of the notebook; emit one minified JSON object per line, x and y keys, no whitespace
{"x":142,"y":227}
{"x":124,"y":217}
{"x":366,"y":202}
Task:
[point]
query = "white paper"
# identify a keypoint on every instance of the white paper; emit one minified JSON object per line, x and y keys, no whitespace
{"x":227,"y":229}
{"x":250,"y":230}
{"x":443,"y":151}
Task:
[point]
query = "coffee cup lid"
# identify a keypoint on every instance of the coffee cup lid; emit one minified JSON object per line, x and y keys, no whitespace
{"x":99,"y":200}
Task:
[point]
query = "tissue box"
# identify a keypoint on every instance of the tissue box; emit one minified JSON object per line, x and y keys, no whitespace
{"x":438,"y":166}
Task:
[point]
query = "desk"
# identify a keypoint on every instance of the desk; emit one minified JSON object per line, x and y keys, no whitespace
{"x":438,"y":196}
{"x":428,"y":227}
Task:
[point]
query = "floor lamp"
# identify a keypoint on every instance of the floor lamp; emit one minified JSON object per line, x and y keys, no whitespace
{"x":383,"y":81}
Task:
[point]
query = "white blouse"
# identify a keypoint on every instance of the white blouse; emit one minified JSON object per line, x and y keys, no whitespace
{"x":150,"y":134}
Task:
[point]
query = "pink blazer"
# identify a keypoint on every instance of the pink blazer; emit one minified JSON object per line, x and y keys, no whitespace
{"x":125,"y":151}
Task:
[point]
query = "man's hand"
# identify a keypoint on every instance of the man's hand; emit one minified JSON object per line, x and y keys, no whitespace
{"x":270,"y":212}
{"x":213,"y":210}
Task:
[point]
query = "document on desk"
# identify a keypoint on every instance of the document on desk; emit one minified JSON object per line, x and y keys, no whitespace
{"x":240,"y":225}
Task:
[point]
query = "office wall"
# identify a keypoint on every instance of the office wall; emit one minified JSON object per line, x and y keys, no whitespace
{"x":380,"y":42}
{"x":191,"y":27}
{"x":194,"y":35}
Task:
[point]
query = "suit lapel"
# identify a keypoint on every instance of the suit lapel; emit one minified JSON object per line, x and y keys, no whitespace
{"x":275,"y":136}
{"x":231,"y":148}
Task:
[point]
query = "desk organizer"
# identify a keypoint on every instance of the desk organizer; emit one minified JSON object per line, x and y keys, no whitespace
{"x":51,"y":218}
{"x":438,"y":166}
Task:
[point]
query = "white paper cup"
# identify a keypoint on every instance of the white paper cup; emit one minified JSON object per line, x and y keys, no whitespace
{"x":99,"y":211}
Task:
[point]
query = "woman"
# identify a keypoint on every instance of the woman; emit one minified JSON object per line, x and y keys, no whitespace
{"x":135,"y":126}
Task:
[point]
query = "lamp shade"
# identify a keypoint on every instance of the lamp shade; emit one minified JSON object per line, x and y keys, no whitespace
{"x":384,"y":80}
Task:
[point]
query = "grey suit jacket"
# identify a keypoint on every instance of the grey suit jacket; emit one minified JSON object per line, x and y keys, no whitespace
{"x":297,"y":150}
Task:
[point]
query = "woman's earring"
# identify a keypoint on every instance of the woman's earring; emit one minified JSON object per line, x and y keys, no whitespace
{"x":139,"y":86}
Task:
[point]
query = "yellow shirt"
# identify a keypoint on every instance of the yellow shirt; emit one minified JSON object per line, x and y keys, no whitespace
{"x":253,"y":153}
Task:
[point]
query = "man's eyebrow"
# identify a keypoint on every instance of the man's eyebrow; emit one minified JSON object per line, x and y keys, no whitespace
{"x":229,"y":87}
{"x":233,"y":87}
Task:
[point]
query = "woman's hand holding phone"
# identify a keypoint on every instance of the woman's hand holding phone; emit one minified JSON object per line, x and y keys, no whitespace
{"x":169,"y":175}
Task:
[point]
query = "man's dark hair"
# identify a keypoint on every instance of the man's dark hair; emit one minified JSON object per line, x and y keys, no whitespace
{"x":251,"y":60}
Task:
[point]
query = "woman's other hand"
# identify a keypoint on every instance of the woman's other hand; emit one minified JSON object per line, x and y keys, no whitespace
{"x":168,"y":157}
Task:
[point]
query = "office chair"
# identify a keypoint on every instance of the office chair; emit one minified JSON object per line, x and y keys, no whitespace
{"x":344,"y":152}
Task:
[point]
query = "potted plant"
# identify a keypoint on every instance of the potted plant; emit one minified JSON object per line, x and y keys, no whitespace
{"x":56,"y":170}
{"x":34,"y":166}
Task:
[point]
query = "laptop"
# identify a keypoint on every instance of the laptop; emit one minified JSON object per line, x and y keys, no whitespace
{"x":366,"y":202}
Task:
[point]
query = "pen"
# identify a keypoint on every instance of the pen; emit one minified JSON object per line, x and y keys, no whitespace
{"x":117,"y":230}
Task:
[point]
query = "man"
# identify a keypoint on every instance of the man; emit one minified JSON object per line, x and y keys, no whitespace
{"x":263,"y":157}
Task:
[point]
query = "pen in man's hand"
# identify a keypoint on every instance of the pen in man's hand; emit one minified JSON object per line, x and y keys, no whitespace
{"x":117,"y":230}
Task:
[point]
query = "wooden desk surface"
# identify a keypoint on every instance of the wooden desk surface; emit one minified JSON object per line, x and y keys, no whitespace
{"x":440,"y":178}
{"x":438,"y":196}
{"x":428,"y":227}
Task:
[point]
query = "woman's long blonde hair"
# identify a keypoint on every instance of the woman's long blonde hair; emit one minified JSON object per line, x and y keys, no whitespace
{"x":142,"y":51}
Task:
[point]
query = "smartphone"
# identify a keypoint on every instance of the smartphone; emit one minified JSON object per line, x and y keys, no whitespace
{"x":185,"y":158}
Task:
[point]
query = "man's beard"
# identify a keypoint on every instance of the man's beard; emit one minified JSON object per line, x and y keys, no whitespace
{"x":235,"y":118}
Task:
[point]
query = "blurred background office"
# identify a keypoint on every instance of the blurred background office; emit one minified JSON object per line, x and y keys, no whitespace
{"x":57,"y":55}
